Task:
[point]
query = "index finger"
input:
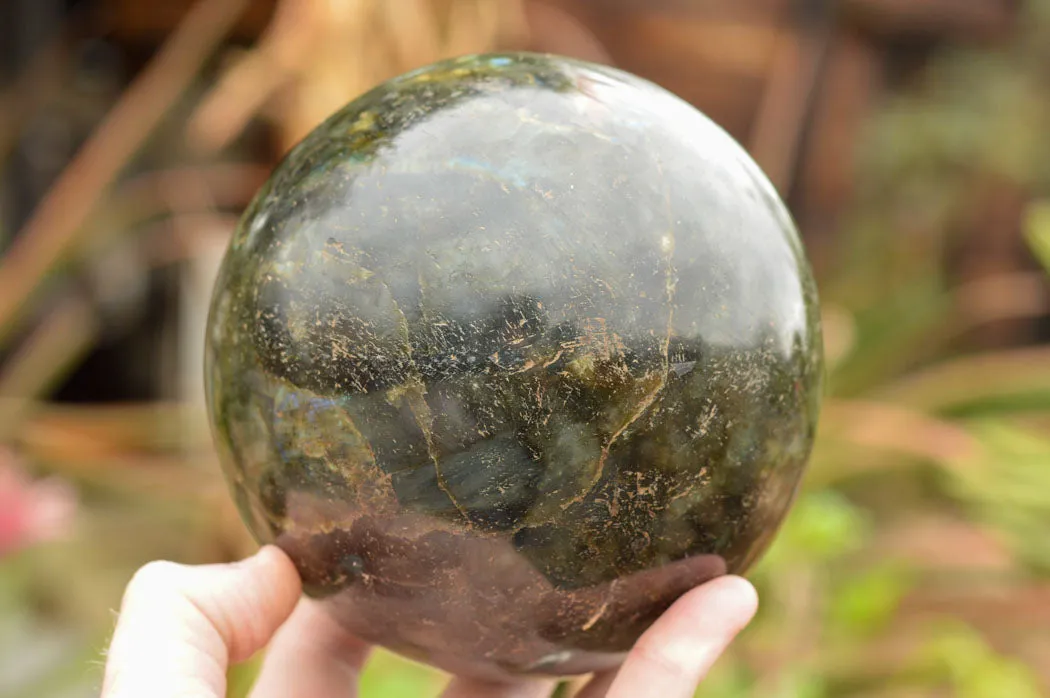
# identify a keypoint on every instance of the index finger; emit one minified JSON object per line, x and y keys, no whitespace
{"x":675,"y":654}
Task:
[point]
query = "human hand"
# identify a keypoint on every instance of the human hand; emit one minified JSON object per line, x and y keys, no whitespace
{"x":181,"y":626}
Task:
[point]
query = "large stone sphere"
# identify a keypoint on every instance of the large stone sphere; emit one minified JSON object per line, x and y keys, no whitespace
{"x":508,"y":354}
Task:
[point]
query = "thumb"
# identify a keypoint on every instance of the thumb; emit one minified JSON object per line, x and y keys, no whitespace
{"x":180,"y":626}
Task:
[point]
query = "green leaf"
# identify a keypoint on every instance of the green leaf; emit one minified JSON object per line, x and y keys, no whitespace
{"x":866,"y":602}
{"x":1001,"y":677}
{"x":961,"y":656}
{"x":729,"y":678}
{"x":388,"y":675}
{"x":822,"y":525}
{"x":1037,"y":231}
{"x":241,"y":677}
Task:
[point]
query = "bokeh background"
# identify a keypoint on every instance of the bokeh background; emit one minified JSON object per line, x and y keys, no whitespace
{"x":911,"y":139}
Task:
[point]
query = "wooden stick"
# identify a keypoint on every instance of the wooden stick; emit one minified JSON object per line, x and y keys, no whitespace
{"x":55,"y":224}
{"x":48,"y":353}
{"x":787,"y":102}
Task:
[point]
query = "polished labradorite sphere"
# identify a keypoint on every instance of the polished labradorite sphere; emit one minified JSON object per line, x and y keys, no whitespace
{"x":508,"y":354}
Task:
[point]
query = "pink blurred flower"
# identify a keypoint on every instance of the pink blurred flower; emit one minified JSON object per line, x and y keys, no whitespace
{"x":31,"y":511}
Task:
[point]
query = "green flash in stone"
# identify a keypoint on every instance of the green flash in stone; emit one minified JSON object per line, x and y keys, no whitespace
{"x":508,"y":354}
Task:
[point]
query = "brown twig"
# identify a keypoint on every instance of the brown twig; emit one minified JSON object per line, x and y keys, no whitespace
{"x":56,"y":222}
{"x":899,"y":429}
{"x":52,"y":349}
{"x":228,"y":184}
{"x":23,"y":95}
{"x":113,"y":427}
{"x":319,"y":56}
{"x":153,"y":194}
{"x":182,"y":238}
{"x":239,"y":94}
{"x":787,"y":102}
{"x":969,"y":378}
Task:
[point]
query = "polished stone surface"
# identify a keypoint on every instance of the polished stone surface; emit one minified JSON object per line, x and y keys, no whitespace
{"x":510,"y":353}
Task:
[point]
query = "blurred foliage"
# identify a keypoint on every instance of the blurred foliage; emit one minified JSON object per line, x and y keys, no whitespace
{"x":915,"y":561}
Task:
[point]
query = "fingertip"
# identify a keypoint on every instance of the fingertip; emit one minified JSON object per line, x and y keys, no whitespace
{"x":725,"y":605}
{"x":261,"y":594}
{"x":681,"y":647}
{"x":738,"y":594}
{"x":275,"y":562}
{"x":272,"y":554}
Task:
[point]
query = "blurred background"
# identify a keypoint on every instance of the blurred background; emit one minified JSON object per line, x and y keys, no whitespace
{"x":911,"y":139}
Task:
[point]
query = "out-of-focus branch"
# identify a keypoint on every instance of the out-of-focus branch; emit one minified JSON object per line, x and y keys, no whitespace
{"x":972,"y":19}
{"x":787,"y":102}
{"x":111,"y":428}
{"x":74,"y":324}
{"x":552,"y":29}
{"x":318,"y":56}
{"x":242,"y":91}
{"x":969,"y":378}
{"x":53,"y":348}
{"x":1009,"y":296}
{"x":177,"y":191}
{"x":56,"y":222}
{"x":21,"y":97}
{"x":228,"y":185}
{"x":898,"y":429}
{"x":181,"y":238}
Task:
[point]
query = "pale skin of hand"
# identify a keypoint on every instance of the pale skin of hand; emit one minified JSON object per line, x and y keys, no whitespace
{"x":180,"y":627}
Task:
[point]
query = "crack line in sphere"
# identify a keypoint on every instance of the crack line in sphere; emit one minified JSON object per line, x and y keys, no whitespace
{"x":424,"y":421}
{"x":371,"y":466}
{"x":667,"y":244}
{"x":643,"y":406}
{"x":603,"y":608}
{"x":429,"y":438}
{"x":421,"y":410}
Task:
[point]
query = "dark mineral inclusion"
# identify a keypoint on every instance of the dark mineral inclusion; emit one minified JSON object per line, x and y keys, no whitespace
{"x":508,"y":354}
